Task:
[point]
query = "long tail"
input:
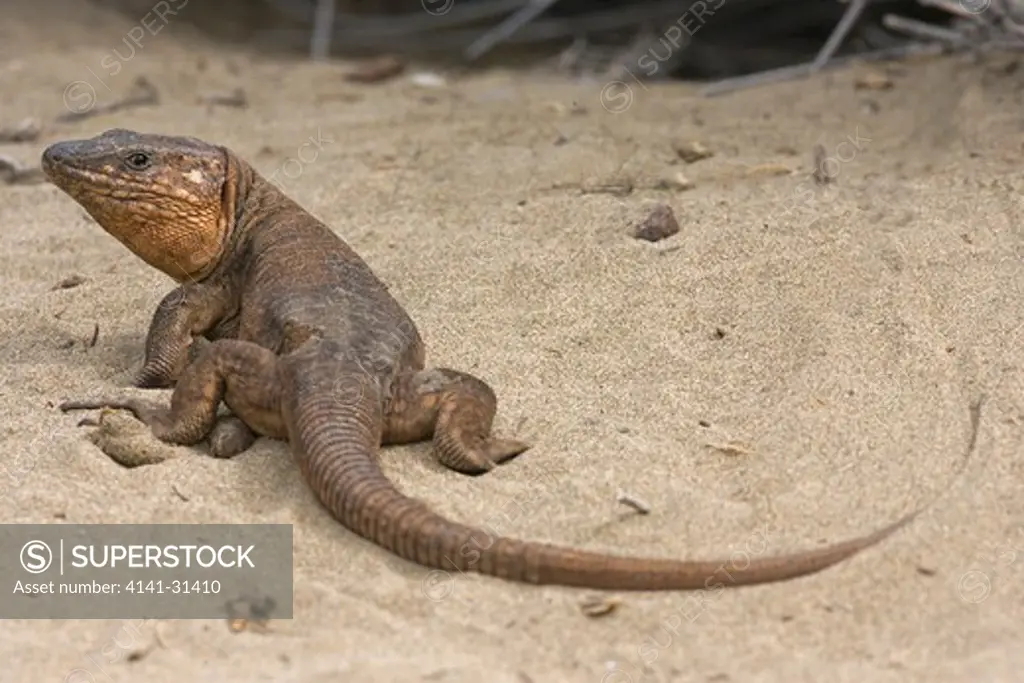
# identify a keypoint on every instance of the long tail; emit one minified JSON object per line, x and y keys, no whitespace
{"x":335,"y":442}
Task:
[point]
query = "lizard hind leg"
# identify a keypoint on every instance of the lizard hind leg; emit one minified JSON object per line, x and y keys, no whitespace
{"x":242,"y":374}
{"x":457,"y":410}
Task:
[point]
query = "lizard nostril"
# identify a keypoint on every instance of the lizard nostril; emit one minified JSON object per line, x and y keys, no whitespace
{"x":60,"y":151}
{"x":52,"y":154}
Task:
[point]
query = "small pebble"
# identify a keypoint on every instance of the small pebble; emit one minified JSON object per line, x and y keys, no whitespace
{"x":426,"y":79}
{"x":599,"y":605}
{"x":677,"y":181}
{"x":873,"y":80}
{"x":69,"y":282}
{"x":660,"y":223}
{"x":376,"y":70}
{"x":692,"y":151}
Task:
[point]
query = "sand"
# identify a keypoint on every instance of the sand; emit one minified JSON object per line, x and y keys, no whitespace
{"x":795,"y":366}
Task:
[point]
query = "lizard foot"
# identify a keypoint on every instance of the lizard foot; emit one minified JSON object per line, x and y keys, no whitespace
{"x":475,"y":458}
{"x":457,"y":409}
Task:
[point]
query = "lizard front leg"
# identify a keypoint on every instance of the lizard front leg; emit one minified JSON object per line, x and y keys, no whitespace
{"x":457,"y":410}
{"x":242,"y":374}
{"x":187,"y":312}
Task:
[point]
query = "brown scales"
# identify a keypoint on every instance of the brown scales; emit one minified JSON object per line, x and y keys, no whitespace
{"x":306,"y":344}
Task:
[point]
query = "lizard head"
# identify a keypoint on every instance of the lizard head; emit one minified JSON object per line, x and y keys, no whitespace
{"x":170,"y":200}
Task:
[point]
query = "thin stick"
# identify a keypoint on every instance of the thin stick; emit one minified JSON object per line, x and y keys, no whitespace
{"x":919,"y":29}
{"x":423,"y":31}
{"x":323,"y":30}
{"x":398,"y":25}
{"x":142,"y":94}
{"x":633,"y":502}
{"x":839,"y":33}
{"x":791,"y":73}
{"x":505,"y":29}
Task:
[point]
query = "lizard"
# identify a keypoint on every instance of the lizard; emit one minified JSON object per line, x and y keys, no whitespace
{"x":278,"y":318}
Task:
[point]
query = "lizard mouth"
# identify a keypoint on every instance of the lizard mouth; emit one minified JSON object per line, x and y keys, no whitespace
{"x":48,"y":164}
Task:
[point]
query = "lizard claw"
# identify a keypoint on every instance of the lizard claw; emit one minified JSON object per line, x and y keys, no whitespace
{"x":480,"y":458}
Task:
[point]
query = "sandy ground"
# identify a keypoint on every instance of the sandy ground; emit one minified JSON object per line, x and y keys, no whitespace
{"x":837,"y":334}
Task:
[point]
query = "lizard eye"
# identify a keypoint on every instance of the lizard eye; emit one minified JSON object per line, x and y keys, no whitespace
{"x":137,"y":161}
